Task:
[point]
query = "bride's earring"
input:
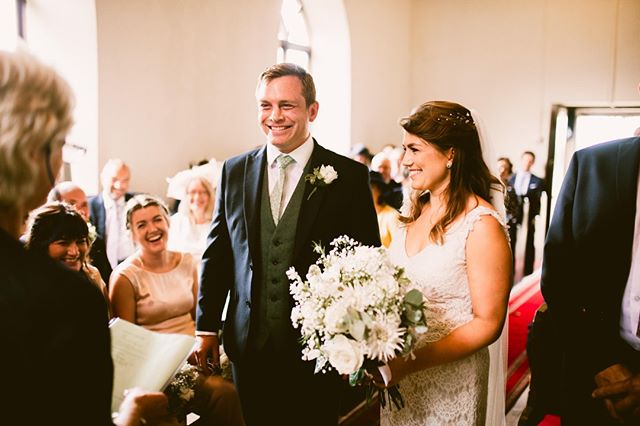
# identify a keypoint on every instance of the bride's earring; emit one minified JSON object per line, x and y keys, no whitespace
{"x":449,"y":164}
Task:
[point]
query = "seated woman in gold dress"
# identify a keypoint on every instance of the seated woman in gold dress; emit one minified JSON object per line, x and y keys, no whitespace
{"x":157,"y":288}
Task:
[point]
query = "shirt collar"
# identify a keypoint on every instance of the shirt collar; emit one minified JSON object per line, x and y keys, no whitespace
{"x":301,"y":154}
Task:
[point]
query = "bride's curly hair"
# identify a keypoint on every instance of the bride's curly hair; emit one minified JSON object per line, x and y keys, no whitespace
{"x":445,"y":125}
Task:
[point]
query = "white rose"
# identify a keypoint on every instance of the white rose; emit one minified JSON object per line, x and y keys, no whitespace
{"x":335,"y":318}
{"x":344,"y":354}
{"x":328,"y":174}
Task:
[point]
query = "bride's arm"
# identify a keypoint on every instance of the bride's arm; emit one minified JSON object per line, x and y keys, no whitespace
{"x":489,"y":274}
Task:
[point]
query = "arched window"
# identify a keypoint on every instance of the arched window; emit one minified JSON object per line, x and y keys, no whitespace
{"x":293,"y":35}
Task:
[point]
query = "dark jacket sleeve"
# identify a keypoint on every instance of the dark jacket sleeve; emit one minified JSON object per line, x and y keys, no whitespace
{"x":363,"y":214}
{"x":216,"y":277}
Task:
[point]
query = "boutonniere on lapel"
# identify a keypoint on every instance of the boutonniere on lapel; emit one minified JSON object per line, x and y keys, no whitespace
{"x":321,"y":176}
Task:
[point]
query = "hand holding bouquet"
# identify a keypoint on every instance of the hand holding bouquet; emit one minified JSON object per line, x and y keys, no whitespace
{"x":356,"y":310}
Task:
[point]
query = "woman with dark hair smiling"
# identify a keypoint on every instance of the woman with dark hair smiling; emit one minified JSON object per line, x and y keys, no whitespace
{"x":58,"y":231}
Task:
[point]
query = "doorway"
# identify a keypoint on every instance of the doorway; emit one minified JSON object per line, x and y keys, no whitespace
{"x":577,"y":127}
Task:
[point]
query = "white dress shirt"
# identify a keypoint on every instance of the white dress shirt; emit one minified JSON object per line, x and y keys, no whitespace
{"x":521,"y":185}
{"x":301,"y":156}
{"x":630,"y":315}
{"x":117,"y":237}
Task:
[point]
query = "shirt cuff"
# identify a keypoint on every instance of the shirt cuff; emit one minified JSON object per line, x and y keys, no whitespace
{"x":385,"y":372}
{"x":206,"y":333}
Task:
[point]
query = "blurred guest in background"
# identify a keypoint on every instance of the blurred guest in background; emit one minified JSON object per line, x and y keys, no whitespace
{"x":381,"y":163}
{"x":528,"y":189}
{"x":107,"y":210}
{"x":361,"y":154}
{"x":190,"y":224}
{"x":512,"y":204}
{"x":387,"y":215}
{"x":505,"y":170}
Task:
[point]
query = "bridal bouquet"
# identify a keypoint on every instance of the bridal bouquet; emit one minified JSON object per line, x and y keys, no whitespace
{"x":356,"y":310}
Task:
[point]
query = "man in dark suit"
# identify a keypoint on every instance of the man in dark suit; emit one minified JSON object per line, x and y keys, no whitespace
{"x":590,"y":286}
{"x":70,"y":193}
{"x":528,"y":188}
{"x":108,"y":211}
{"x":267,"y":219}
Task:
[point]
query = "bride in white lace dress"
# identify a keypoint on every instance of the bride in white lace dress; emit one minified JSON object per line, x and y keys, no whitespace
{"x":455,"y":249}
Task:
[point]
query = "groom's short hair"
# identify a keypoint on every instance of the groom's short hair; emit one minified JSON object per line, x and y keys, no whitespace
{"x":285,"y":69}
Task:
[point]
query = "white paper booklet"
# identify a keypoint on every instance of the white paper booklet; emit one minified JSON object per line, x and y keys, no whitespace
{"x":144,"y":358}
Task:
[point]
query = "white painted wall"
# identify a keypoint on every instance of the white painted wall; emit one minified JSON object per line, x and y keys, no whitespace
{"x":8,"y":25}
{"x":512,"y":59}
{"x":331,"y":70}
{"x":63,"y":34}
{"x":381,"y":69}
{"x":177,"y":81}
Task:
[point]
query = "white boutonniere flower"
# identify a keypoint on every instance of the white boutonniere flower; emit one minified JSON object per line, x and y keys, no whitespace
{"x":93,"y":234}
{"x":321,"y":176}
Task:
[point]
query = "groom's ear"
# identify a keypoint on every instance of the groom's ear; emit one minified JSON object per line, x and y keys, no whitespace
{"x":313,"y":111}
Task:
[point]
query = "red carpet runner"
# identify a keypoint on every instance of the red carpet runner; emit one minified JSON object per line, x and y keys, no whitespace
{"x":525,"y":299}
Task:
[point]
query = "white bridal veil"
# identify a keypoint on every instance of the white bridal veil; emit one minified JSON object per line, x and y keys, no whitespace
{"x":498,"y":350}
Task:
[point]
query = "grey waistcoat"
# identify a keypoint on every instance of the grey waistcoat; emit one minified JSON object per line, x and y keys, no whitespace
{"x":276,"y":252}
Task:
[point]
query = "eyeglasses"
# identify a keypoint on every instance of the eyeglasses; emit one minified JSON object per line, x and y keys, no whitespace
{"x":74,"y":147}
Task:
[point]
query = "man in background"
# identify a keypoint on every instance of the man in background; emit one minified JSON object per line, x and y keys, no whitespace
{"x":108,"y":211}
{"x":528,"y":188}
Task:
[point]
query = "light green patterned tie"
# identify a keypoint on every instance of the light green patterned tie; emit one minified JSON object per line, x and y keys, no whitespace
{"x":275,"y":197}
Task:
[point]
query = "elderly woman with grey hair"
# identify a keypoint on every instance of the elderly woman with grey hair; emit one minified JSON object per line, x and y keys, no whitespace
{"x":55,"y":340}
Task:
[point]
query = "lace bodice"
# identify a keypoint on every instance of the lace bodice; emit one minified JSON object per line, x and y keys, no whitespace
{"x":453,"y":393}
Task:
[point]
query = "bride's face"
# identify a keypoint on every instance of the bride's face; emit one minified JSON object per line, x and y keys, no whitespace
{"x":426,"y":164}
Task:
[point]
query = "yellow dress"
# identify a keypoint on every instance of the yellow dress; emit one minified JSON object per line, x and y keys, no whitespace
{"x":387,"y":224}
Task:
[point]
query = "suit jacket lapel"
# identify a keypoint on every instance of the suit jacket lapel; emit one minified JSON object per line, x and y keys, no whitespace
{"x":310,"y":206}
{"x":253,"y":173}
{"x":102,"y":216}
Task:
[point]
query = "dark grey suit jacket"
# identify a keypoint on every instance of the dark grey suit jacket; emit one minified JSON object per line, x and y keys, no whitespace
{"x":231,"y":261}
{"x":587,"y":257}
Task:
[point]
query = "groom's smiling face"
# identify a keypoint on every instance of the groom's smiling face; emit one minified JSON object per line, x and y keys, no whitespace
{"x":283,"y":113}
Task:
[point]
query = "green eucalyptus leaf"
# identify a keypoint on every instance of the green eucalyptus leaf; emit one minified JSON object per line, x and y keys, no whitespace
{"x":413,"y":297}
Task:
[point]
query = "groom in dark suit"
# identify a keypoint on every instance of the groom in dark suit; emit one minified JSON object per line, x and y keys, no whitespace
{"x":589,"y":283}
{"x":268,"y":217}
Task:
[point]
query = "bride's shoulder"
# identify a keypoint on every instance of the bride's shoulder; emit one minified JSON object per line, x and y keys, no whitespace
{"x":474,"y":201}
{"x":481,"y":211}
